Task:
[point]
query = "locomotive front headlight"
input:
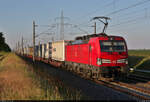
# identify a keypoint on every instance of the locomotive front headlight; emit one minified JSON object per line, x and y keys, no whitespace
{"x":99,"y":61}
{"x":126,"y":61}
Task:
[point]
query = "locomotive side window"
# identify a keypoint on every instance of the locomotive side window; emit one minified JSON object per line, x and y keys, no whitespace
{"x":112,"y":46}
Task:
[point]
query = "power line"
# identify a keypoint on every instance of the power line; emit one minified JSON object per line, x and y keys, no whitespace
{"x":45,"y":32}
{"x":90,"y":13}
{"x":128,"y":21}
{"x":126,"y":8}
{"x":134,"y":12}
{"x":98,"y":9}
{"x":129,"y":27}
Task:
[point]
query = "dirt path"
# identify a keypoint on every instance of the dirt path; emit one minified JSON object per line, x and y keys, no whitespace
{"x":15,"y":82}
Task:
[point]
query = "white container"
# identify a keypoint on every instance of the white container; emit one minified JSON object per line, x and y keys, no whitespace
{"x":48,"y":50}
{"x":25,"y":50}
{"x":36,"y":50}
{"x":30,"y":50}
{"x":58,"y":50}
{"x":43,"y":50}
{"x":40,"y":51}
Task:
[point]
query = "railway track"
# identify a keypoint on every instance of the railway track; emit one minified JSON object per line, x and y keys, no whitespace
{"x":126,"y":90}
{"x":123,"y":87}
{"x":139,"y":77}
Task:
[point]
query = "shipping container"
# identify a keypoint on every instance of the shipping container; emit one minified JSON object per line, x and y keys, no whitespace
{"x":36,"y":50}
{"x":30,"y":51}
{"x":43,"y":50}
{"x":25,"y":50}
{"x":58,"y":50}
{"x":40,"y":51}
{"x":48,"y":50}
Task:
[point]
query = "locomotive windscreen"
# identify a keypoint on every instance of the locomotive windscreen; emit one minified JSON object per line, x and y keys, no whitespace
{"x":112,"y":46}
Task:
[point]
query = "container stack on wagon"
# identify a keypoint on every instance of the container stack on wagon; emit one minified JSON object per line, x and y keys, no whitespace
{"x":48,"y":52}
{"x":58,"y":50}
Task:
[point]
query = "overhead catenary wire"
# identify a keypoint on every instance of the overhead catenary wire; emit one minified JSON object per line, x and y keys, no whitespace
{"x":123,"y":9}
{"x":128,"y":21}
{"x":134,"y":21}
{"x":126,"y":8}
{"x":132,"y":13}
{"x":85,"y":23}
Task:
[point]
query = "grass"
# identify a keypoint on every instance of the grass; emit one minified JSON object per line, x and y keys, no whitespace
{"x":54,"y":88}
{"x":62,"y":91}
{"x":21,"y":81}
{"x":139,"y":59}
{"x":144,"y":53}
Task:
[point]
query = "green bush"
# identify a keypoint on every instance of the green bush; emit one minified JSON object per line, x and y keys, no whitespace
{"x":3,"y":45}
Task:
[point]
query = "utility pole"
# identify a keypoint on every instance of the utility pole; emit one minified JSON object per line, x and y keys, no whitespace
{"x":39,"y":52}
{"x":22,"y":46}
{"x":94,"y":27}
{"x":62,"y":26}
{"x":33,"y":41}
{"x":18,"y":47}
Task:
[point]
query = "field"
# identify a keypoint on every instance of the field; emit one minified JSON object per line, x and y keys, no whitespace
{"x":139,"y":59}
{"x":20,"y":81}
{"x":144,"y":53}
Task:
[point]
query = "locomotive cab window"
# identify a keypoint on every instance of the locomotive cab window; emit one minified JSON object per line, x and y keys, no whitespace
{"x":112,"y":46}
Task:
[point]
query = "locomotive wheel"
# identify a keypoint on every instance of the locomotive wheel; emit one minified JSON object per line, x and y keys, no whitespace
{"x":100,"y":76}
{"x":78,"y":70}
{"x":67,"y":67}
{"x":95,"y":75}
{"x":88,"y":74}
{"x":83,"y":73}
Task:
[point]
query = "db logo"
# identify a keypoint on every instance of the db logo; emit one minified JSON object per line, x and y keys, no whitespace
{"x":114,"y":61}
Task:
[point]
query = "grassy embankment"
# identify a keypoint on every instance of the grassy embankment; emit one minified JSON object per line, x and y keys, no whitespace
{"x":139,"y":59}
{"x":18,"y":81}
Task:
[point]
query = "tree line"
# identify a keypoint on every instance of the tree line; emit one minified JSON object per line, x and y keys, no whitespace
{"x":3,"y":45}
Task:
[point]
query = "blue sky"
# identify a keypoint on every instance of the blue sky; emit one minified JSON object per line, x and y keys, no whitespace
{"x":17,"y":16}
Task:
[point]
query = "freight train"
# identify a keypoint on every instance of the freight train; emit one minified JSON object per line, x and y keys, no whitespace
{"x":93,"y":56}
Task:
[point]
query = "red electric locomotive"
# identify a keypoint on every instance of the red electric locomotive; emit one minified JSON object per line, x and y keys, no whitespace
{"x":99,"y":55}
